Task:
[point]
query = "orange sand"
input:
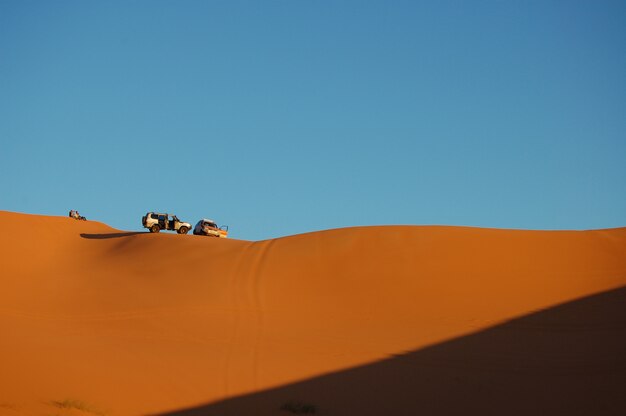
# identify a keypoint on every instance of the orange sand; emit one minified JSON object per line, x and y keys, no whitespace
{"x":99,"y":321}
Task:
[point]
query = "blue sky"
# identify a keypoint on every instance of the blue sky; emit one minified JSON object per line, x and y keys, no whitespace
{"x":284,"y":117}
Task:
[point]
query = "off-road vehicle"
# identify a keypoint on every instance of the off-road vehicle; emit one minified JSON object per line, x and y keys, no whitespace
{"x":210,"y":228}
{"x":156,"y":222}
{"x":74,"y":214}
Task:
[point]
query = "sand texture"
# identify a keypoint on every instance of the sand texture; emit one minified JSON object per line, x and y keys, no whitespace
{"x":390,"y":320}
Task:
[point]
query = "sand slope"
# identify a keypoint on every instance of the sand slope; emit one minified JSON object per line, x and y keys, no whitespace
{"x":95,"y":320}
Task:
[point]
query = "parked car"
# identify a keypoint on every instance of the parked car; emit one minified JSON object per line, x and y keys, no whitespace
{"x":210,"y":228}
{"x":156,"y":222}
{"x":74,"y":214}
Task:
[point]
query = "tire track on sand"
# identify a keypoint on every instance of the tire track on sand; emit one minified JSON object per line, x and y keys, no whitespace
{"x":259,"y":305}
{"x":242,"y":367}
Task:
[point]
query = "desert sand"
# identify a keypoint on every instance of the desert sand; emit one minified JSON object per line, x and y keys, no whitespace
{"x":389,"y":320}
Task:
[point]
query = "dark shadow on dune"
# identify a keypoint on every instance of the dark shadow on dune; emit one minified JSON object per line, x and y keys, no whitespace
{"x":110,"y":235}
{"x":566,"y":360}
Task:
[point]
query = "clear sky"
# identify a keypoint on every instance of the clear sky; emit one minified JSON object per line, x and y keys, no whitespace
{"x":283,"y":117}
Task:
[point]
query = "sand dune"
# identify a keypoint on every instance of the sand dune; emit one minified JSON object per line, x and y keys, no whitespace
{"x":369,"y":320}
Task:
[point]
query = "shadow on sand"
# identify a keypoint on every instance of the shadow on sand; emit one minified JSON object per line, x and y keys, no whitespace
{"x":566,"y":360}
{"x":110,"y":235}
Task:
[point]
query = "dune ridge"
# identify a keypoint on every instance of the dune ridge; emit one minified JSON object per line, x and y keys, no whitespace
{"x":135,"y":323}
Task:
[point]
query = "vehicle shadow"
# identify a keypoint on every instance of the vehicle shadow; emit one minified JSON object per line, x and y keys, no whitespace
{"x":110,"y":235}
{"x":566,"y":360}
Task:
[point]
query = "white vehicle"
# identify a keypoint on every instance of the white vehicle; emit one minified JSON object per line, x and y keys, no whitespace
{"x":210,"y":228}
{"x":74,"y":214}
{"x":156,"y":222}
